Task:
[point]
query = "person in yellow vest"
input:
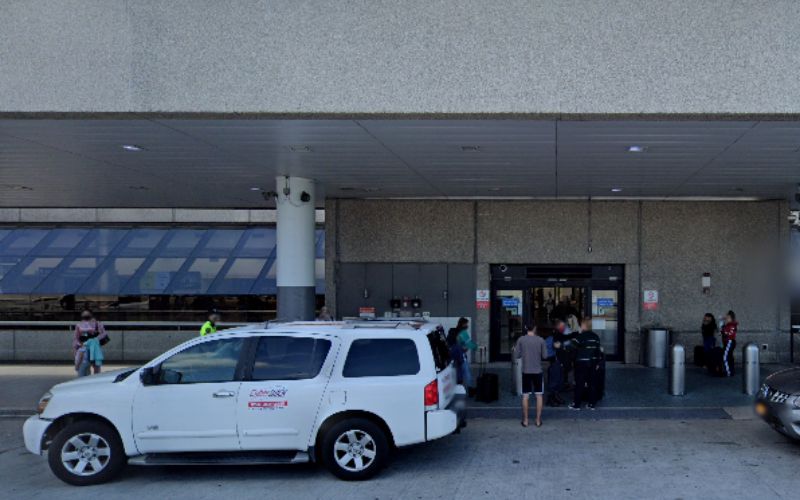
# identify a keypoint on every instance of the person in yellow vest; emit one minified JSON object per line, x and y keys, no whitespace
{"x":210,"y":326}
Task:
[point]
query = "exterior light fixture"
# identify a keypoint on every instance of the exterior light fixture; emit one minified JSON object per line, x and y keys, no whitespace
{"x":616,"y":190}
{"x":255,"y":189}
{"x":470,"y":149}
{"x":300,"y":148}
{"x":132,"y":147}
{"x":637,"y":149}
{"x":495,"y":189}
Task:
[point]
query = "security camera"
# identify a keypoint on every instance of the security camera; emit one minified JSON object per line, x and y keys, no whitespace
{"x":305,"y":197}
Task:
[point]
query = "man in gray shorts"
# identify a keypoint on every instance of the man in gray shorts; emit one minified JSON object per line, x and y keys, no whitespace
{"x":531,"y":349}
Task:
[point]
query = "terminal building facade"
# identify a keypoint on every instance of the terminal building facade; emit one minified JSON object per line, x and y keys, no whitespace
{"x":508,"y":162}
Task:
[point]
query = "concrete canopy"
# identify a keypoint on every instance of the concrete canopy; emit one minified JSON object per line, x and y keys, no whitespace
{"x":218,"y":163}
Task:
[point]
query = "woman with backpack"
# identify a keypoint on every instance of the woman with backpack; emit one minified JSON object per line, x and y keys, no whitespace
{"x":466,"y":344}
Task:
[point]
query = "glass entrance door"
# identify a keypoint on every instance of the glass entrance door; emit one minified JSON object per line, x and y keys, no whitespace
{"x":605,"y":320}
{"x":509,"y":311}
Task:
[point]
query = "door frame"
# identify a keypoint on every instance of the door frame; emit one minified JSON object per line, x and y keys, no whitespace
{"x":517,"y":280}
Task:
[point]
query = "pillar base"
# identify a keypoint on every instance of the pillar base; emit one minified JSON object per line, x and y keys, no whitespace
{"x":296,"y":303}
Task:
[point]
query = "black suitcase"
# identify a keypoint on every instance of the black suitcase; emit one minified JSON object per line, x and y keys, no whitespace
{"x":714,"y":364}
{"x":699,"y":355}
{"x":488,"y":384}
{"x":488,"y":390}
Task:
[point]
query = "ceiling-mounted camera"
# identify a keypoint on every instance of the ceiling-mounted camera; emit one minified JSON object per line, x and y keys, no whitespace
{"x":305,"y":197}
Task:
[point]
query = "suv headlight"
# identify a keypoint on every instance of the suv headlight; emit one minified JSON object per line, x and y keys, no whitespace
{"x":43,"y":402}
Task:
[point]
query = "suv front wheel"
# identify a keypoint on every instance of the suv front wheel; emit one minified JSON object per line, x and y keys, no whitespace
{"x":86,"y":452}
{"x":355,"y":449}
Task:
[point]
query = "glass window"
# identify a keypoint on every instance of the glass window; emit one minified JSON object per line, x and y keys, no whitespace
{"x":239,"y":278}
{"x":289,"y":358}
{"x":60,"y":242}
{"x":21,"y":241}
{"x":199,"y":276}
{"x":115,"y":274}
{"x":212,"y":361}
{"x":222,"y":242}
{"x":68,"y":280}
{"x":381,"y":358}
{"x":440,"y":349}
{"x":32,"y":273}
{"x":7,"y":263}
{"x":142,"y":241}
{"x":182,"y":242}
{"x":157,"y":277}
{"x":258,"y":242}
{"x":102,"y":241}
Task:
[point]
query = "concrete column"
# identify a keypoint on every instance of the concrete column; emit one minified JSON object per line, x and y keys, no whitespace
{"x":295,"y":248}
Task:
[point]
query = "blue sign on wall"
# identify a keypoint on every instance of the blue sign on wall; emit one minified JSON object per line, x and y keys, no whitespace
{"x":605,"y":302}
{"x":510,"y":302}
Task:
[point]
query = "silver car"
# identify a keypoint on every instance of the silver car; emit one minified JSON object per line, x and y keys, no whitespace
{"x":778,"y":402}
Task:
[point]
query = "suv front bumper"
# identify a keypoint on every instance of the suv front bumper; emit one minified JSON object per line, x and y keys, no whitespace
{"x":33,"y":431}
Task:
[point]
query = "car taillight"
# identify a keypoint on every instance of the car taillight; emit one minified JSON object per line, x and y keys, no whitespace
{"x":432,"y":395}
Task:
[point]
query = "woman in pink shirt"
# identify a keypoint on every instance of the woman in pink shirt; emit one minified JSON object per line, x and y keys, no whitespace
{"x":88,"y":328}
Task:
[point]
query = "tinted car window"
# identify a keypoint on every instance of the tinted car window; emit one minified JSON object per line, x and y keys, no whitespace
{"x":212,"y":361}
{"x":381,"y":358}
{"x":289,"y":358}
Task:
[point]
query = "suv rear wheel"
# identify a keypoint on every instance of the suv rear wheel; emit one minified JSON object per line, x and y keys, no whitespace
{"x":86,"y":452}
{"x":355,"y":449}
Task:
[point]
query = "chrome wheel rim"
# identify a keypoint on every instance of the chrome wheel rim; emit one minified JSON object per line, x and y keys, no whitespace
{"x":85,"y":454}
{"x":354,"y":450}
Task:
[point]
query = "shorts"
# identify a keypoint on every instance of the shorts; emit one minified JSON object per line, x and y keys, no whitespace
{"x":532,"y":383}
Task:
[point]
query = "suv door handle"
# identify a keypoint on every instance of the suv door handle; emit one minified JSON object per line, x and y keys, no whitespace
{"x":224,"y":394}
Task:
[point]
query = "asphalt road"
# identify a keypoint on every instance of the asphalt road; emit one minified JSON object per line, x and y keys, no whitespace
{"x":492,"y":458}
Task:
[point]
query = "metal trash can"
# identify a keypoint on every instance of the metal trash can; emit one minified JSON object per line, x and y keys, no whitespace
{"x":657,"y":341}
{"x":516,"y":375}
{"x":751,"y":369}
{"x":677,"y":373}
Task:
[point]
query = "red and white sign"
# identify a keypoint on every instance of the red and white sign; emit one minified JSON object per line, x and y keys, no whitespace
{"x":482,"y":299}
{"x":650,"y":300}
{"x":366,"y":312}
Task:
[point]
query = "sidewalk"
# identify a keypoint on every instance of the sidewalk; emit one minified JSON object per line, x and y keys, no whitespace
{"x":632,"y":391}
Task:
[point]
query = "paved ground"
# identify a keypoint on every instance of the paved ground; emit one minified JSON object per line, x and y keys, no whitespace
{"x":492,"y":458}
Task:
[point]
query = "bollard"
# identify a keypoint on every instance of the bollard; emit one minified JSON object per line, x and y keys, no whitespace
{"x":677,"y":371}
{"x":516,"y":375}
{"x":751,"y":369}
{"x":657,"y":339}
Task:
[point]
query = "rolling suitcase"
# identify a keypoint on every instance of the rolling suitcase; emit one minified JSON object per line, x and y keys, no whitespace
{"x":714,"y":364}
{"x":699,"y":355}
{"x":488,"y":388}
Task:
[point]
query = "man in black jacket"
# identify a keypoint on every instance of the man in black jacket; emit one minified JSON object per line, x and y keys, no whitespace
{"x":586,"y":346}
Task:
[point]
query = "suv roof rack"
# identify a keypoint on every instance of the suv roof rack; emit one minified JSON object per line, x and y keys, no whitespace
{"x":388,"y":323}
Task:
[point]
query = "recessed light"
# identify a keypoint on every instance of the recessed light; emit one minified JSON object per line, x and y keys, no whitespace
{"x":255,"y":189}
{"x":132,"y":147}
{"x":616,"y":190}
{"x":470,"y":149}
{"x":372,"y":189}
{"x":138,"y":188}
{"x":637,"y":149}
{"x":495,"y":189}
{"x":300,"y":148}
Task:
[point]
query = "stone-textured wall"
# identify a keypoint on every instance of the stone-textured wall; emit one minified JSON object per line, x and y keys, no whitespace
{"x":410,"y":56}
{"x":405,"y":231}
{"x":665,"y":246}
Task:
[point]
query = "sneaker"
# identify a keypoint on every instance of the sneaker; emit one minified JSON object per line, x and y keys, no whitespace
{"x":591,"y":406}
{"x":572,"y":406}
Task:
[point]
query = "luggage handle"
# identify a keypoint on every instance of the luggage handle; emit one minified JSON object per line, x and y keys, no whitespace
{"x":482,"y":359}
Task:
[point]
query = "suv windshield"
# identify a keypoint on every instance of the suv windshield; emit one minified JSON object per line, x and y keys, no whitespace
{"x":441,"y":353}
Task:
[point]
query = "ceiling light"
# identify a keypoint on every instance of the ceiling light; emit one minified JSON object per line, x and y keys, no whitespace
{"x":255,"y":189}
{"x":637,"y":149}
{"x":300,"y":148}
{"x":138,"y":188}
{"x":372,"y":189}
{"x":16,"y":187}
{"x":616,"y":190}
{"x":132,"y":147}
{"x":470,"y":149}
{"x":495,"y":189}
{"x":347,"y":188}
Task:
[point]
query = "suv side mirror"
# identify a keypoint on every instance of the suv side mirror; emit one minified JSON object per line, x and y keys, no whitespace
{"x":149,"y":375}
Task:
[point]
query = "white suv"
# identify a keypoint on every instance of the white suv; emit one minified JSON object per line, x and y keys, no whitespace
{"x":344,"y":394}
